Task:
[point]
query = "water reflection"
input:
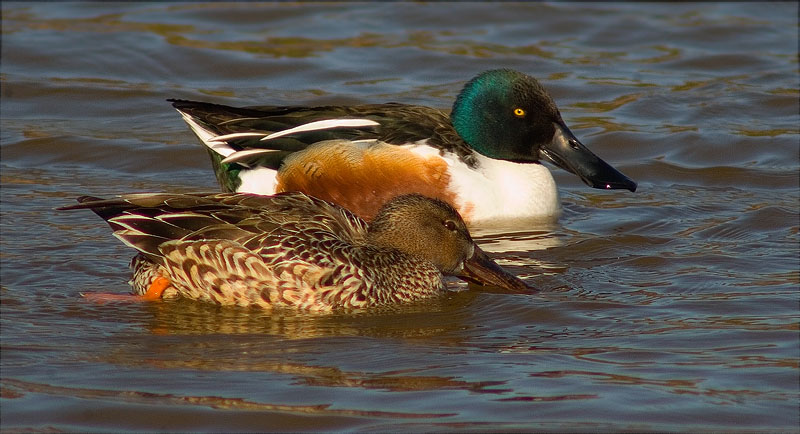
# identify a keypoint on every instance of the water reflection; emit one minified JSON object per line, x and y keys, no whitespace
{"x":215,"y":402}
{"x":427,"y":318}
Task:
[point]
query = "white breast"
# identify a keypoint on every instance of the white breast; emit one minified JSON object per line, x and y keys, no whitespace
{"x":501,"y":190}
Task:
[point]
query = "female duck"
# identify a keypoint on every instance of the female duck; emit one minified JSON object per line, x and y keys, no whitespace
{"x":293,"y":250}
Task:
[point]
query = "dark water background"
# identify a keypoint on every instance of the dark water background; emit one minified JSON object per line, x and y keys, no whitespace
{"x":673,"y":308}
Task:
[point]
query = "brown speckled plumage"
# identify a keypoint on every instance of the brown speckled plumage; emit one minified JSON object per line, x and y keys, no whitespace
{"x":289,"y":249}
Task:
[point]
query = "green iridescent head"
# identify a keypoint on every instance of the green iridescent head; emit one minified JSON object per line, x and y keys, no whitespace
{"x":505,"y":114}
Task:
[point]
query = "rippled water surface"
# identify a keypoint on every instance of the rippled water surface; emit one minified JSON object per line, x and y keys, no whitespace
{"x":672,"y":308}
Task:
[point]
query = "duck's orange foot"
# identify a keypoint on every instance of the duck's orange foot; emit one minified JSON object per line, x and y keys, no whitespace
{"x":156,"y":289}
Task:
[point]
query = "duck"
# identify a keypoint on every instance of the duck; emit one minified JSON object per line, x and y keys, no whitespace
{"x":292,"y":250}
{"x":484,"y":158}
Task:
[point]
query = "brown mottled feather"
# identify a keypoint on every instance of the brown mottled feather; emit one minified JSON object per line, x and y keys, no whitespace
{"x":284,"y":250}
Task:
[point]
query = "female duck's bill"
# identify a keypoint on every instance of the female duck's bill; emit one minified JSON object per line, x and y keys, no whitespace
{"x":294,"y":250}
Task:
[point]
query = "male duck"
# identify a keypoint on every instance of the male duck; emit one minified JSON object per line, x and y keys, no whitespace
{"x":483,"y":158}
{"x":291,"y":249}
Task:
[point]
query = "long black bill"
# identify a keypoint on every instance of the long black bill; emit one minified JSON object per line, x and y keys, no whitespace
{"x":481,"y":269}
{"x":568,"y":153}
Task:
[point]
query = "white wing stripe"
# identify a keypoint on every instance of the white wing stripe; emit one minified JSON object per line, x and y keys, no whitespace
{"x":323,"y":125}
{"x":241,"y":155}
{"x":227,"y":137}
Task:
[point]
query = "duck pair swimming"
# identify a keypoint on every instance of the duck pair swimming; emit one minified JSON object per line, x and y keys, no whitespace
{"x":410,"y":170}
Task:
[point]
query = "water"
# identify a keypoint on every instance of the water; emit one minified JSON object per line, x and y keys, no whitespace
{"x":672,"y":308}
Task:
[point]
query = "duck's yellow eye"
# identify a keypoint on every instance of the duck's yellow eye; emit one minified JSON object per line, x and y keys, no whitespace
{"x":518,"y":112}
